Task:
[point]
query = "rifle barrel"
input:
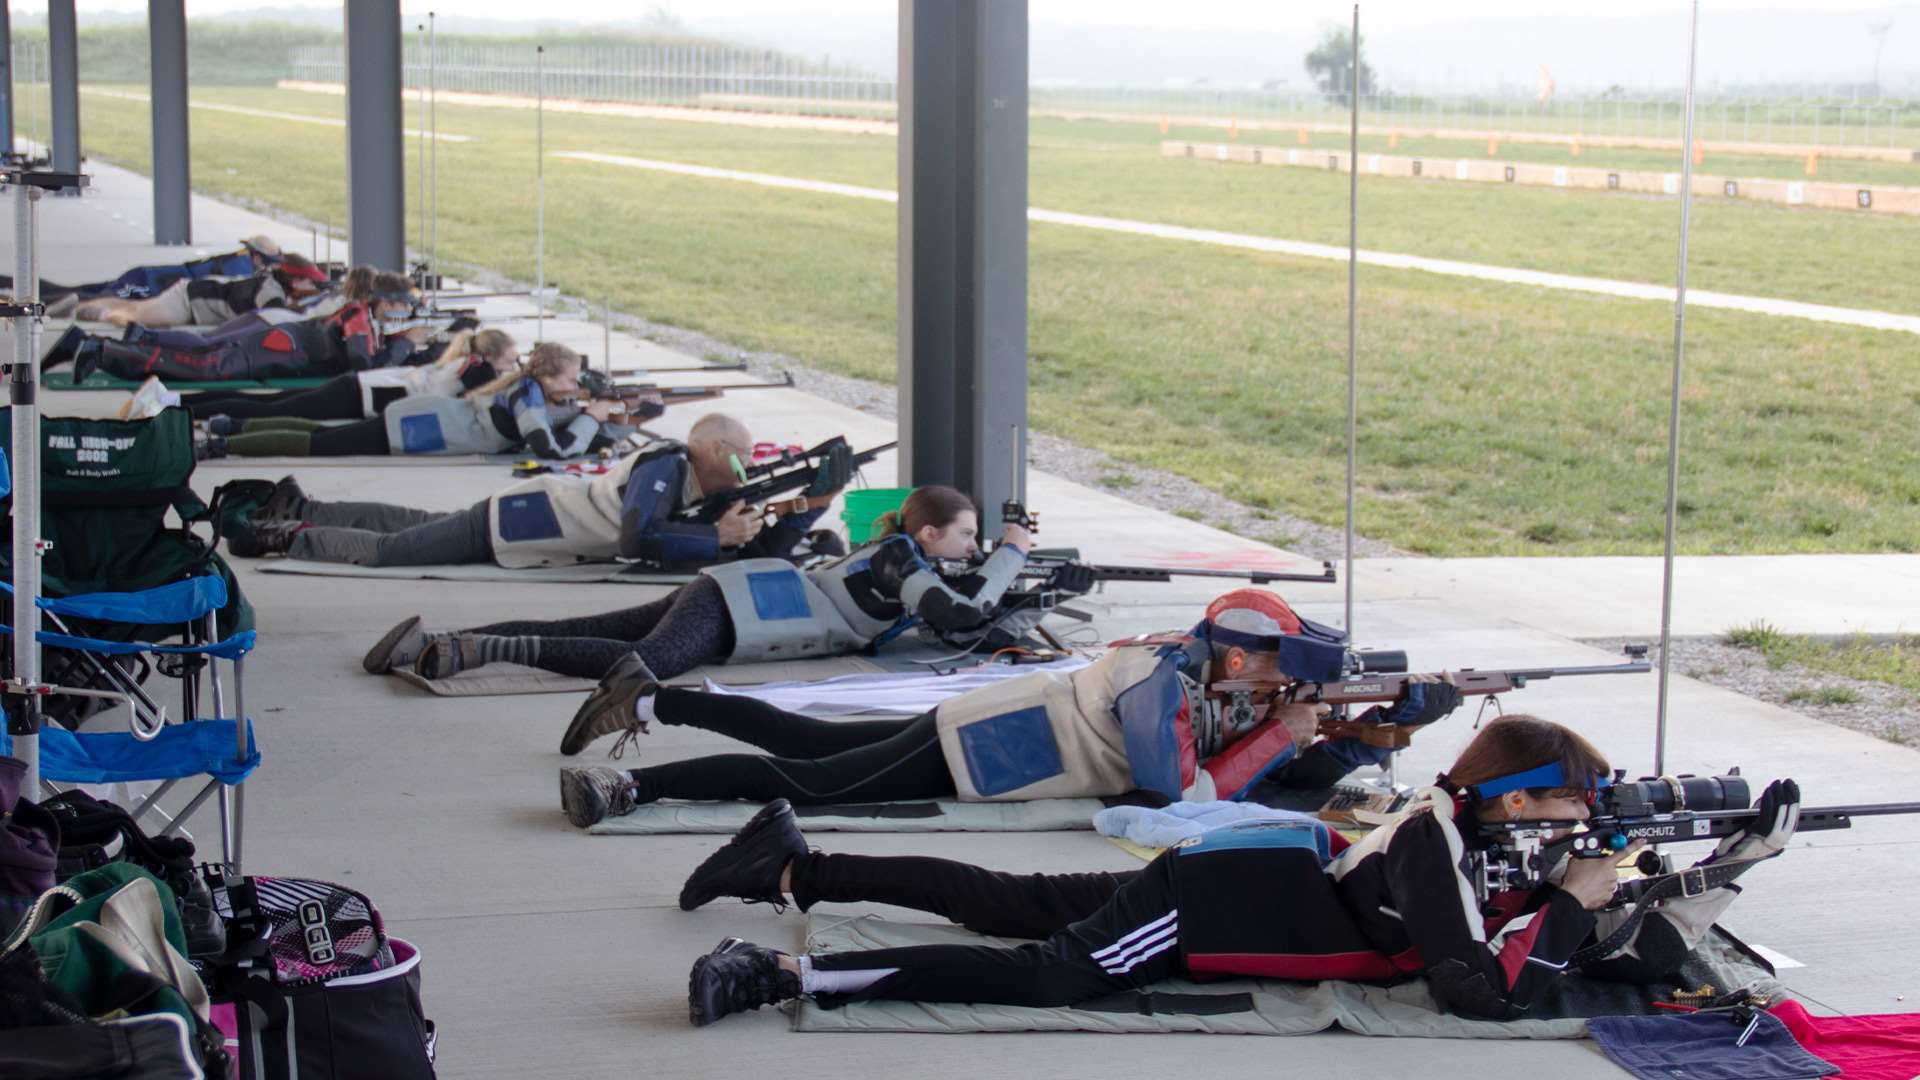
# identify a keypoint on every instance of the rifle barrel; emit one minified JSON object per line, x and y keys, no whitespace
{"x":1629,"y":668}
{"x":1104,"y":572}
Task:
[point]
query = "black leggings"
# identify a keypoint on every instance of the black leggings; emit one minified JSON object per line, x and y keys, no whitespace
{"x":674,"y":634}
{"x":1129,"y":941}
{"x":813,"y":762}
{"x":336,"y":399}
{"x":984,"y":901}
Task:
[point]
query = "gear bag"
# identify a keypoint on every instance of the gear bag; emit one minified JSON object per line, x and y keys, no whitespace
{"x":314,"y":989}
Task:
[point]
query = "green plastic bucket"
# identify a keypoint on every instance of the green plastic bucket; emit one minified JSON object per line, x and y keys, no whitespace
{"x":866,"y":506}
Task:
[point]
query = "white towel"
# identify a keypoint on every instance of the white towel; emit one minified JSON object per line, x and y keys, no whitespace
{"x":905,"y":693}
{"x":1168,"y":825}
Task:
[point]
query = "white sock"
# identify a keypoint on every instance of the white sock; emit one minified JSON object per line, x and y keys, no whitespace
{"x":838,"y":982}
{"x":643,"y":710}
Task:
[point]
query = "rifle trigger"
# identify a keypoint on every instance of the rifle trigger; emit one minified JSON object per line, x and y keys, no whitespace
{"x":1493,"y":700}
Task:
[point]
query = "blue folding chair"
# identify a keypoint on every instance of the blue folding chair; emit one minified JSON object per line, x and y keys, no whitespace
{"x":155,"y":748}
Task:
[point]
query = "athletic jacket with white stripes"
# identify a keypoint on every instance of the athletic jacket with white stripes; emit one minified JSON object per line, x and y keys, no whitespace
{"x":1397,"y":903}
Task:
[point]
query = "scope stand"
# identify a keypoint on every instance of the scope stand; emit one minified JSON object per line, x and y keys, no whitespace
{"x":24,"y":691}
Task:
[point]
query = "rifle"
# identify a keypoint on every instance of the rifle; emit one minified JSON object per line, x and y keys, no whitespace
{"x":1040,"y":565}
{"x":598,"y":387}
{"x":438,"y":320}
{"x":1659,"y":810}
{"x":1379,"y":676}
{"x":764,"y":481}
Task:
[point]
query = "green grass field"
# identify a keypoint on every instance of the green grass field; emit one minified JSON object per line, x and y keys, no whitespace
{"x":1495,"y":419}
{"x":1836,"y":170}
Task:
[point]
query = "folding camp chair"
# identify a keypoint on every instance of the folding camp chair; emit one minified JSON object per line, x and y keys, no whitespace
{"x":129,"y":588}
{"x":153,"y":748}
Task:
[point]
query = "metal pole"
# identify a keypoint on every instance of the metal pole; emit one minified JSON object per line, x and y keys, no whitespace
{"x":6,"y":80}
{"x":1353,"y":296}
{"x":433,"y":158}
{"x":539,"y":192}
{"x":172,"y":172}
{"x":63,"y":65}
{"x":24,"y":718}
{"x":1673,"y":409}
{"x":420,"y":39}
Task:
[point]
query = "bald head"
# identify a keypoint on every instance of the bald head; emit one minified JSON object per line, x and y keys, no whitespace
{"x":716,"y":439}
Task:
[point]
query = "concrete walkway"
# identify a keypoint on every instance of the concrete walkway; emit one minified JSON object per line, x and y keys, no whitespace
{"x":551,"y":953}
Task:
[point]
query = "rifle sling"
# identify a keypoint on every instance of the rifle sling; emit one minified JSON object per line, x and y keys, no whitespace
{"x":1690,"y":882}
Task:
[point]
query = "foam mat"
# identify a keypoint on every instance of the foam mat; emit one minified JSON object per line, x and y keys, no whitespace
{"x":933,"y":815}
{"x":1240,"y":1006}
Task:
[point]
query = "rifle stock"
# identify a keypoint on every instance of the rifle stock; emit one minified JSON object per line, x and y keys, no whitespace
{"x":765,"y":482}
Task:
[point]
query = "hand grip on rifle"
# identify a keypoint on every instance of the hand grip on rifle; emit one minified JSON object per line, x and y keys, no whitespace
{"x":1073,"y":578}
{"x":1428,"y":699}
{"x":834,"y":472}
{"x":1775,"y":817}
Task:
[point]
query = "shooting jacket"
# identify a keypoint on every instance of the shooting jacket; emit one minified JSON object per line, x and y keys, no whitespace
{"x":864,"y":598}
{"x":343,"y":342}
{"x":558,"y":519}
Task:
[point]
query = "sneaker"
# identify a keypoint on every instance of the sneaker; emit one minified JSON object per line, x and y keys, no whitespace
{"x":222,"y":425}
{"x":86,"y":359}
{"x":211,"y":448}
{"x":149,"y":401}
{"x":750,"y":864}
{"x":610,"y":707}
{"x":593,"y":793}
{"x":400,"y":647}
{"x":64,"y":348}
{"x":443,"y":656}
{"x":738,"y":979}
{"x":254,"y":539}
{"x":287,"y":503}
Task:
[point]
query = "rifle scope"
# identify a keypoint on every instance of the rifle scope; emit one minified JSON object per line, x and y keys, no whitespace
{"x":1667,"y":794}
{"x":1376,"y":661}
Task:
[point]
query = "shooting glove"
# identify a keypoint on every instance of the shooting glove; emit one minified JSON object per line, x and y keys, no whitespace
{"x":1072,"y":578}
{"x":1777,"y":816}
{"x":1425,"y":702}
{"x":833,"y":473}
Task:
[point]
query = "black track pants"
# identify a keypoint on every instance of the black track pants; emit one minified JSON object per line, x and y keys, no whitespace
{"x":1131,"y":941}
{"x":982,"y":900}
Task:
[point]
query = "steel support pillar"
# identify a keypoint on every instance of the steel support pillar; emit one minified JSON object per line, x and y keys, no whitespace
{"x":63,"y":60}
{"x":172,"y":167}
{"x":376,"y":174}
{"x":6,"y":78}
{"x":963,"y":246}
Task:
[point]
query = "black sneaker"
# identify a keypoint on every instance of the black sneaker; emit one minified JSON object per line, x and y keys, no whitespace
{"x":287,"y":503}
{"x":255,"y":539}
{"x":749,"y":865}
{"x":210,"y":448}
{"x":737,"y":977}
{"x":64,"y":349}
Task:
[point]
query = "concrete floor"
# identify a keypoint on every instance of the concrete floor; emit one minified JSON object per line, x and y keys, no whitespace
{"x":551,"y":953}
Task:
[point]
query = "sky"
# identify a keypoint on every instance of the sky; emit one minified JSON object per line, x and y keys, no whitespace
{"x":1416,"y":45}
{"x":1192,"y":14}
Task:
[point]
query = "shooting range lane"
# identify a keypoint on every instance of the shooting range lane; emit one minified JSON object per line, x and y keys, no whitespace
{"x":444,"y":810}
{"x":1629,"y":290}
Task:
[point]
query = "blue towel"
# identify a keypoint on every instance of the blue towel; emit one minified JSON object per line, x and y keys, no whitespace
{"x":1700,"y":1046}
{"x":1168,"y":825}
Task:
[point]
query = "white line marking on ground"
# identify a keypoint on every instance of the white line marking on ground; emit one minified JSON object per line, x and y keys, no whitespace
{"x":1777,"y":959}
{"x":270,"y":114}
{"x":1631,"y":290}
